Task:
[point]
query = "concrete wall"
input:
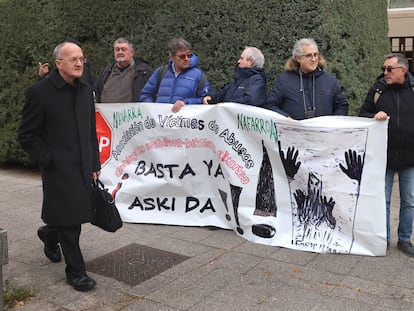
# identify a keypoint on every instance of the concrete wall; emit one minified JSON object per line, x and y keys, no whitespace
{"x":401,"y":22}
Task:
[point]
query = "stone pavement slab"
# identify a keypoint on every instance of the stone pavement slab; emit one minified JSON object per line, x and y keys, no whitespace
{"x":223,"y":272}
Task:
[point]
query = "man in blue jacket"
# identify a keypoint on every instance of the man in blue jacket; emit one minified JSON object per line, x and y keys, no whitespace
{"x":179,"y":83}
{"x":249,"y":84}
{"x":305,"y":90}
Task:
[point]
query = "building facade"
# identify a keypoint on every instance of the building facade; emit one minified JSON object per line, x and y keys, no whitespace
{"x":401,"y":28}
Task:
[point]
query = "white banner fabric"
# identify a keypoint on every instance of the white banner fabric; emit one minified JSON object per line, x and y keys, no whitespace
{"x":314,"y":185}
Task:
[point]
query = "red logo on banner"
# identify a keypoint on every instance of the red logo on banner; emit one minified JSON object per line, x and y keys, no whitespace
{"x":104,"y":133}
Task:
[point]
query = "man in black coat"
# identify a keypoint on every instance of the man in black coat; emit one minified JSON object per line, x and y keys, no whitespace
{"x":58,"y":131}
{"x":391,"y":98}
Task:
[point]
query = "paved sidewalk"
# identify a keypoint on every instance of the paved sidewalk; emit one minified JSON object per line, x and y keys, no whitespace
{"x":223,"y":272}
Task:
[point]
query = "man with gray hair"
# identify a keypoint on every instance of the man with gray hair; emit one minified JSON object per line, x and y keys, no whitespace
{"x":58,"y":131}
{"x":122,"y":80}
{"x":249,"y":82}
{"x":305,"y":90}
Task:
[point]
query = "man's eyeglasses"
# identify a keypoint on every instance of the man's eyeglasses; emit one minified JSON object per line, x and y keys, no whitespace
{"x":184,"y":56}
{"x":389,"y":68}
{"x":74,"y":60}
{"x":310,"y":55}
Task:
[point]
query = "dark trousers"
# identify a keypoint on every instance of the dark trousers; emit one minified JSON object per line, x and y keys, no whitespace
{"x":68,"y":237}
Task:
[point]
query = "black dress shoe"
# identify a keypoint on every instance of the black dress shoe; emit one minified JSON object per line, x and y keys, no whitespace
{"x":406,"y":247}
{"x":81,"y":283}
{"x":52,"y":250}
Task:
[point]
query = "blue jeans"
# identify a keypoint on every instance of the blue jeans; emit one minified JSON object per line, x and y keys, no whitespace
{"x":406,"y":183}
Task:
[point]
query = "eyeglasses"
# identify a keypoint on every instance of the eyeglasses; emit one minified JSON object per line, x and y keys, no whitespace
{"x":310,"y":55}
{"x":184,"y":56}
{"x":74,"y":60}
{"x":389,"y":68}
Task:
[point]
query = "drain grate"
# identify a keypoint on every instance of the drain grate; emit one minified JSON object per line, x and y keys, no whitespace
{"x":134,"y":263}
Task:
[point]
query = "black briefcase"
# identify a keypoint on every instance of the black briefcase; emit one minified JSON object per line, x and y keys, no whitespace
{"x":105,"y":214}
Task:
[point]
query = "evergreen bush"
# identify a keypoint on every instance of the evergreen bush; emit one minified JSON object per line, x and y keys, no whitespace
{"x":352,"y":35}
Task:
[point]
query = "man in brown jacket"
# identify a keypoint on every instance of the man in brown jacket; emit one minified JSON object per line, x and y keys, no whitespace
{"x":122,"y":80}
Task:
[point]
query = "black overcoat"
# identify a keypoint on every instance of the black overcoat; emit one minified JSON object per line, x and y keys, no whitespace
{"x":58,"y":130}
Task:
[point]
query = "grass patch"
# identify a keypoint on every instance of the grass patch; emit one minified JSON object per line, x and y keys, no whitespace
{"x":15,"y":296}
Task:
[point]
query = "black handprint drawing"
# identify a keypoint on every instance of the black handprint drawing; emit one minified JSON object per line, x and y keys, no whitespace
{"x":289,"y":162}
{"x":355,"y":164}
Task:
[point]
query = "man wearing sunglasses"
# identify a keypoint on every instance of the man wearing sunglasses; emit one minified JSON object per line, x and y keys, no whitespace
{"x":179,"y":84}
{"x":392,"y":97}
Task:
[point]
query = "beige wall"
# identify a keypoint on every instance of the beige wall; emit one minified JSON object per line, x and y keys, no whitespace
{"x":401,"y":22}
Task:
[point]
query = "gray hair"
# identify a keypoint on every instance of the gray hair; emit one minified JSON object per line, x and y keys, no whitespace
{"x":256,"y":55}
{"x":401,"y":59}
{"x":177,"y":44}
{"x":298,"y":47}
{"x":57,"y":52}
{"x":123,"y":40}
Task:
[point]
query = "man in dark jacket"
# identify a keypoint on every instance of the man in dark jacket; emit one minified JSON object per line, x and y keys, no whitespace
{"x":305,"y":90}
{"x":123,"y":80}
{"x":58,"y":131}
{"x":392,"y":97}
{"x":249,"y":84}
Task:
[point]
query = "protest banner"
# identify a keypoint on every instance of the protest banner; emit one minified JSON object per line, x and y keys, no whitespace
{"x":314,"y":185}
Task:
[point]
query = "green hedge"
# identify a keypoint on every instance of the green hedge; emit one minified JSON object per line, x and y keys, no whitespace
{"x":352,"y":36}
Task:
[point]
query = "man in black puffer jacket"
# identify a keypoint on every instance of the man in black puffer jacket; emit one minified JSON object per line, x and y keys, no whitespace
{"x":392,"y":96}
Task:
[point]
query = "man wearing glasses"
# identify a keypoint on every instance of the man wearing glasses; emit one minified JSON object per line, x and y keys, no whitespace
{"x":58,"y":131}
{"x":392,"y":97}
{"x":305,"y":90}
{"x":180,"y":82}
{"x":44,"y":69}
